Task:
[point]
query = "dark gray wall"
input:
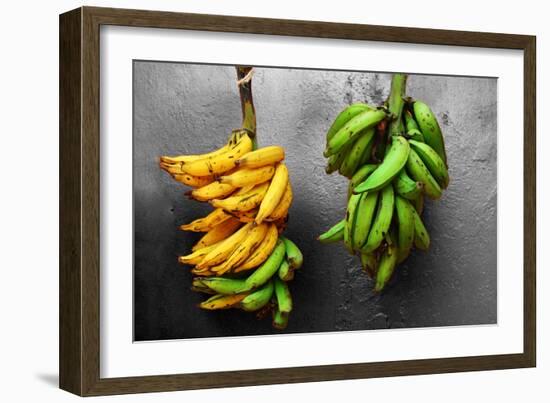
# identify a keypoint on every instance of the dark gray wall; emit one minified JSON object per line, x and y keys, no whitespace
{"x":183,"y":108}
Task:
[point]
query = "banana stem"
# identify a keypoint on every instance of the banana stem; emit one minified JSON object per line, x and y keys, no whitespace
{"x":396,"y":102}
{"x":247,"y":104}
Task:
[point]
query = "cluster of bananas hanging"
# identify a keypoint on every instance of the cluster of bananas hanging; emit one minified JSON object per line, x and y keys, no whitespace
{"x":393,"y":156}
{"x":251,"y":194}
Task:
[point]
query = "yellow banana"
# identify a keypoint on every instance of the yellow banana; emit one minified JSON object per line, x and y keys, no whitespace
{"x":193,"y":181}
{"x":202,"y":272}
{"x":196,"y":256}
{"x":262,"y":252}
{"x":218,"y":233}
{"x":205,"y":224}
{"x":262,"y":157}
{"x":273,"y":195}
{"x":224,"y":248}
{"x":245,"y":216}
{"x":281,"y":210}
{"x":249,"y":176}
{"x":243,"y":202}
{"x":220,"y":163}
{"x":214,"y":190}
{"x":254,"y":238}
{"x":222,"y":301}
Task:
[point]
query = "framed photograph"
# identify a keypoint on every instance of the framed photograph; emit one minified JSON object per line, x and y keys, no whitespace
{"x":249,"y":201}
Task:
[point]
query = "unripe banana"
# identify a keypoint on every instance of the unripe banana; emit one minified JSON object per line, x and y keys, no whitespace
{"x":406,"y":187}
{"x":421,"y":236}
{"x":382,"y":220}
{"x":258,"y":299}
{"x":360,"y":176}
{"x":405,"y":227}
{"x":386,"y":266}
{"x":345,"y":116}
{"x":430,"y":128}
{"x":282,"y":293}
{"x":351,"y":216}
{"x":280,"y":319}
{"x":363,"y":220}
{"x":433,"y":162}
{"x":263,"y":273}
{"x":224,"y":286}
{"x":284,"y":272}
{"x":352,"y":129}
{"x":395,"y":160}
{"x":361,"y":147}
{"x":293,"y":254}
{"x":421,"y":173}
{"x":334,"y":233}
{"x":369,"y":262}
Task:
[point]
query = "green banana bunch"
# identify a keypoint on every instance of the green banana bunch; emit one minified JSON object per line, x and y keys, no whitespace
{"x":393,"y":156}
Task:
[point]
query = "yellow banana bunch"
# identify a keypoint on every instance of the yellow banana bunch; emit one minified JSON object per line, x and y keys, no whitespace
{"x":392,"y":161}
{"x":251,"y":193}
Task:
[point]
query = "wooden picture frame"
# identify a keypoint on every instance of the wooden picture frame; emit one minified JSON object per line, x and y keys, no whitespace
{"x":79,"y":200}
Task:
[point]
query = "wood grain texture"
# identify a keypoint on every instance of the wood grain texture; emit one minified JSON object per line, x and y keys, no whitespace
{"x":79,"y":200}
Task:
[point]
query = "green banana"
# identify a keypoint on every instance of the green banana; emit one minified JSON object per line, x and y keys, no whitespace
{"x":352,"y":129}
{"x":356,"y":153}
{"x":280,"y":319}
{"x":369,"y":261}
{"x":395,"y":160}
{"x":198,"y":286}
{"x":359,"y":176}
{"x":405,"y":227}
{"x":345,"y":116}
{"x":396,"y":103}
{"x":258,"y":299}
{"x":433,"y":162}
{"x":263,"y":273}
{"x":334,"y":233}
{"x":387,"y":265}
{"x":406,"y":187}
{"x":224,"y":286}
{"x":382,"y":220}
{"x":415,"y":134}
{"x":353,"y":203}
{"x":421,"y":173}
{"x":335,"y":161}
{"x":282,"y":293}
{"x":430,"y":128}
{"x":421,"y":236}
{"x":419,"y":204}
{"x":284,"y":271}
{"x":410,"y":123}
{"x":293,"y":254}
{"x":363,"y":218}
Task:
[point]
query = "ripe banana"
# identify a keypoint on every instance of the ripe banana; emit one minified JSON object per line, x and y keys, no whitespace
{"x":334,"y":233}
{"x":352,"y":129}
{"x":433,"y":162}
{"x":222,"y":301}
{"x":281,"y":211}
{"x":248,"y":176}
{"x":394,"y":161}
{"x":214,"y":190}
{"x":220,"y":163}
{"x":405,"y":227}
{"x":382,"y":220}
{"x":205,"y":224}
{"x":218,"y":233}
{"x":406,"y":187}
{"x":243,"y":202}
{"x":261,"y":157}
{"x":345,"y":116}
{"x":274,"y":193}
{"x":254,"y":238}
{"x":193,"y":181}
{"x":262,"y":252}
{"x":430,"y":128}
{"x":224,"y":248}
{"x":258,"y":299}
{"x":420,"y":173}
{"x":197,"y":256}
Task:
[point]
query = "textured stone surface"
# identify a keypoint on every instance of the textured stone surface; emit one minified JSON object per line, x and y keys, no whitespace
{"x":181,"y":108}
